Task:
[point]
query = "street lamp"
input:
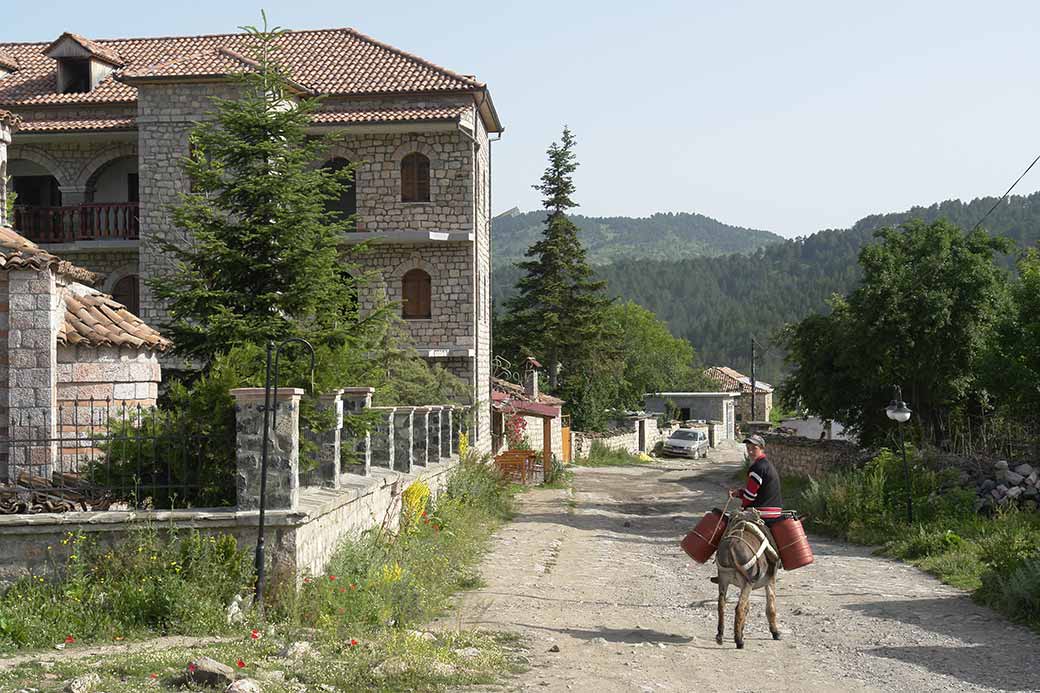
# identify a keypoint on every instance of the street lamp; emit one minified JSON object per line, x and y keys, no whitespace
{"x":900,"y":413}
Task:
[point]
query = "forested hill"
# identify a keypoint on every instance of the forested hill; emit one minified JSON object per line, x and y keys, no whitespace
{"x":717,"y":303}
{"x":606,"y":239}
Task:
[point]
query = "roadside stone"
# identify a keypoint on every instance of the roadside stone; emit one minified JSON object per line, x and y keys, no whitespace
{"x":987,"y":486}
{"x":468,"y":653}
{"x":439,"y":668}
{"x":554,"y":648}
{"x":209,"y":672}
{"x":298,"y":650}
{"x":1024,"y":469}
{"x":1032,"y":479}
{"x":244,"y":686}
{"x":395,"y":666}
{"x":422,"y":635}
{"x":83,"y":684}
{"x":1014,"y":492}
{"x":1014,"y":478}
{"x":1000,"y":465}
{"x":1031,"y":492}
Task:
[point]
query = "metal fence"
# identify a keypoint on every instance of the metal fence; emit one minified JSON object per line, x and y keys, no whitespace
{"x":105,"y":455}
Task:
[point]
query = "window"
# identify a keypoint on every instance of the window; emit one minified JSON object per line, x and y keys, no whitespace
{"x":415,"y":178}
{"x":126,"y":291}
{"x":415,"y":294}
{"x":132,"y":188}
{"x":346,"y":205}
{"x":75,"y":75}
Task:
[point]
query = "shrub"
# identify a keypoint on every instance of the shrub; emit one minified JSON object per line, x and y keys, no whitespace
{"x":602,"y":456}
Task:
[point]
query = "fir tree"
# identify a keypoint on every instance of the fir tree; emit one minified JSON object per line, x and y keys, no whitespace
{"x":260,"y":259}
{"x":559,"y":314}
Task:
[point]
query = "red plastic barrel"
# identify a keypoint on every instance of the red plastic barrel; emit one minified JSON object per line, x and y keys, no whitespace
{"x":702,"y":542}
{"x":792,"y":543}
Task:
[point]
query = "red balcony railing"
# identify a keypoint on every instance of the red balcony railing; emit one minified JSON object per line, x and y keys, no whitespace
{"x":102,"y":221}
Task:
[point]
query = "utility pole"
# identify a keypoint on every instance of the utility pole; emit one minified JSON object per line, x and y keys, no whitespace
{"x":753,"y":380}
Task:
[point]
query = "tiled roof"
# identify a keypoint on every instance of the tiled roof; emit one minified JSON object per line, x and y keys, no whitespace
{"x":95,"y":49}
{"x":8,"y":61}
{"x":329,"y":61}
{"x":389,"y":115}
{"x":736,"y":380}
{"x":515,"y":391}
{"x":79,"y":124}
{"x":19,"y":253}
{"x":96,"y":319}
{"x":212,"y":62}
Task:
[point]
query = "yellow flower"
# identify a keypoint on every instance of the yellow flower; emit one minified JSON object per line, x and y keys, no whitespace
{"x":463,"y":445}
{"x":392,"y":573}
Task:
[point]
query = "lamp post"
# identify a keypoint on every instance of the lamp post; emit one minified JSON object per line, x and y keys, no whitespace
{"x":900,"y":413}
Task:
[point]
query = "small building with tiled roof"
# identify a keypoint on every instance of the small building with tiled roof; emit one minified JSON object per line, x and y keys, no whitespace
{"x":734,"y":381}
{"x":69,"y":355}
{"x":97,"y":163}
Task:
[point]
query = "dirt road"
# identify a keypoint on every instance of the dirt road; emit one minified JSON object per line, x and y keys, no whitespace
{"x":597,"y":573}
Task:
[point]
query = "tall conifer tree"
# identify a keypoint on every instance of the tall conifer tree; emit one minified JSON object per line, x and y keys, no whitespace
{"x":559,"y":314}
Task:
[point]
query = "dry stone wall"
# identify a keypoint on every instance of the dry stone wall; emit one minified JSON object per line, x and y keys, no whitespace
{"x":807,"y":457}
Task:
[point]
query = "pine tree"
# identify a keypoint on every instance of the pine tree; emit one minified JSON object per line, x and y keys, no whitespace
{"x":260,"y":258}
{"x":559,"y":313}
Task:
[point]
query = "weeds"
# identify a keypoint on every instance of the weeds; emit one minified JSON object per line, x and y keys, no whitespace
{"x":998,"y":557}
{"x":602,"y":456}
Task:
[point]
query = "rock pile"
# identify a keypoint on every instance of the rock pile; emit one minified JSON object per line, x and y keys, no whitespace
{"x":1018,"y":486}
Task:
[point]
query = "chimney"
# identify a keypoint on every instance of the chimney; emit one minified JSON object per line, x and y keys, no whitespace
{"x":531,"y":379}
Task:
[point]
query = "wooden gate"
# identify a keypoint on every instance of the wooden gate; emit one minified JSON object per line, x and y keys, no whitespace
{"x":566,"y":429}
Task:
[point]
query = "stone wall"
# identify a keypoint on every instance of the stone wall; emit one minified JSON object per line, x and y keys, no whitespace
{"x":807,"y":457}
{"x":122,"y":376}
{"x":624,"y":437}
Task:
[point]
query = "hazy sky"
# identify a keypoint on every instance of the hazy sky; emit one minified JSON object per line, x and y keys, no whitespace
{"x":788,"y":116}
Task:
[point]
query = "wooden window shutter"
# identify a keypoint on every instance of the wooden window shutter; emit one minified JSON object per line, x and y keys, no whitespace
{"x":409,"y":179}
{"x":415,"y":294}
{"x":422,"y":173}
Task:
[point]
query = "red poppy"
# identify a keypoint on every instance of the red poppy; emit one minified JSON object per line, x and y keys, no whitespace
{"x":353,"y":642}
{"x":342,"y":589}
{"x":332,"y":577}
{"x":353,"y":586}
{"x":306,"y":581}
{"x":153,"y":676}
{"x":191,"y":667}
{"x":69,"y":639}
{"x":241,"y":664}
{"x":254,"y":634}
{"x":424,"y":513}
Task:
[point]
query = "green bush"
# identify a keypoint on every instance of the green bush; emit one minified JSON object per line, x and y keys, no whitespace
{"x":382,"y":579}
{"x":150,"y":583}
{"x":602,"y":456}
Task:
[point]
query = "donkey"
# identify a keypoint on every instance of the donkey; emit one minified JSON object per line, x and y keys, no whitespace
{"x":747,"y":560}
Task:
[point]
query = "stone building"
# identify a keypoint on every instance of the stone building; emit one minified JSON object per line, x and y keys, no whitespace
{"x":711,"y":407}
{"x":97,"y":163}
{"x":734,"y":381}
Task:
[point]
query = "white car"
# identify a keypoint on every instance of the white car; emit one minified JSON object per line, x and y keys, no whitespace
{"x":687,"y":442}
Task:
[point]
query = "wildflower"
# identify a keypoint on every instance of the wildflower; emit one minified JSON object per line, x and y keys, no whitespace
{"x":254,"y":634}
{"x":353,"y":642}
{"x":241,"y":664}
{"x":191,"y":667}
{"x":342,"y":589}
{"x":153,"y":676}
{"x":332,"y":577}
{"x":341,"y":610}
{"x":306,"y":581}
{"x":353,"y":586}
{"x":69,"y":639}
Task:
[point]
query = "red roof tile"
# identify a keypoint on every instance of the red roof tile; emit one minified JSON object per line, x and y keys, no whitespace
{"x":389,"y":115}
{"x":79,"y":124}
{"x":96,"y":319}
{"x":19,"y":253}
{"x":330,"y":61}
{"x":95,"y":49}
{"x":8,"y":61}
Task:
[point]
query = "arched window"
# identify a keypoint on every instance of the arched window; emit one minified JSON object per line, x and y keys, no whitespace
{"x":126,"y":291}
{"x":415,"y":293}
{"x":415,"y":178}
{"x":346,"y":205}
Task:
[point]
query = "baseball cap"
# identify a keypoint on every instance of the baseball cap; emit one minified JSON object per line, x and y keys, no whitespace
{"x":755,"y":440}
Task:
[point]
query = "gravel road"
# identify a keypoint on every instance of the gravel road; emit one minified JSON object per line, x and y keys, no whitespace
{"x":597,"y":573}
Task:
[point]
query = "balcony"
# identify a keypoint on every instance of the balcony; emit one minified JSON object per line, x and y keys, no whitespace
{"x":104,"y":221}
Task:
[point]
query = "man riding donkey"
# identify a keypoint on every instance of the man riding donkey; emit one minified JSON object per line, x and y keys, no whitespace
{"x":747,"y":555}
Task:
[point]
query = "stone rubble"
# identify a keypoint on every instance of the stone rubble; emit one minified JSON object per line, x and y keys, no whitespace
{"x":1009,"y":486}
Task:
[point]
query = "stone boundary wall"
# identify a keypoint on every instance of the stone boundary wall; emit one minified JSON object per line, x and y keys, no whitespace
{"x":625,"y":438}
{"x":808,"y":457}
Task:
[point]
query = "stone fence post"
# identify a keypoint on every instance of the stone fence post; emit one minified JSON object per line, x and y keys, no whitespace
{"x":355,"y":401}
{"x":421,"y":436}
{"x":403,"y":430}
{"x":283,"y":451}
{"x":383,"y":444}
{"x":434,"y":435}
{"x":329,"y":442}
{"x":445,"y":436}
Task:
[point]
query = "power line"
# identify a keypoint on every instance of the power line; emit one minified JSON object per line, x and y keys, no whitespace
{"x":1004,"y":196}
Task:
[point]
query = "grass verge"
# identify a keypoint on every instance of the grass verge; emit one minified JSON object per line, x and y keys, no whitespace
{"x":996,"y":557}
{"x":359,"y":616}
{"x":602,"y":456}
